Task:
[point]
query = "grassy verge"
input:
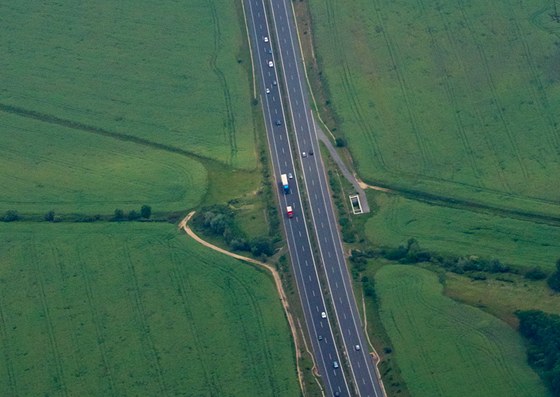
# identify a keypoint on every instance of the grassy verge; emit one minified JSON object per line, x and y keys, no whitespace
{"x":448,"y":349}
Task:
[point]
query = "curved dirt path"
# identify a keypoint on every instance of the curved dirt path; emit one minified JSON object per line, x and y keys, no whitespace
{"x":277,"y":281}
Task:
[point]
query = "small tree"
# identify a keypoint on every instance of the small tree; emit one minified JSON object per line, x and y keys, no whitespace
{"x":11,"y":216}
{"x":554,"y":279}
{"x":146,"y":211}
{"x":340,"y":142}
{"x":49,"y":216}
{"x":119,"y":215}
{"x":133,"y":215}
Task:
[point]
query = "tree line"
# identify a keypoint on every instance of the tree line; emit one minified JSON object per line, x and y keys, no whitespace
{"x":472,"y":266}
{"x":542,"y":331}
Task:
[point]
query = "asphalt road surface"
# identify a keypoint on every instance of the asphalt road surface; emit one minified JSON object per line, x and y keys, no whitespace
{"x":283,"y":76}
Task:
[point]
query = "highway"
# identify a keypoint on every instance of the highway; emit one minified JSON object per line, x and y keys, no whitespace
{"x":278,"y":36}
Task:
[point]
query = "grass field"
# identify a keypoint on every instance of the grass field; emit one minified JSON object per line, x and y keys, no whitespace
{"x":461,"y":232}
{"x":174,"y":74}
{"x":135,"y":309}
{"x":458,"y":99}
{"x":48,"y":167}
{"x":448,"y":349}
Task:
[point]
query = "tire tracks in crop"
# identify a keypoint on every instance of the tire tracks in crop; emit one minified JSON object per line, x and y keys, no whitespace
{"x":267,"y":355}
{"x":181,"y":282}
{"x":452,"y":99}
{"x":425,"y":151}
{"x":489,"y":142}
{"x":495,"y":99}
{"x":96,"y":322}
{"x":542,"y":99}
{"x":6,"y":348}
{"x":349,"y":88}
{"x":59,"y":378}
{"x":235,"y":297}
{"x":230,"y":116}
{"x":143,"y":322}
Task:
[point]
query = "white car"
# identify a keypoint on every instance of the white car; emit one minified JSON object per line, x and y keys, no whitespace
{"x":265,"y":39}
{"x":357,"y":347}
{"x":270,"y":64}
{"x":323,"y":315}
{"x":303,"y":154}
{"x":290,"y":176}
{"x":335,"y":364}
{"x":268,"y":90}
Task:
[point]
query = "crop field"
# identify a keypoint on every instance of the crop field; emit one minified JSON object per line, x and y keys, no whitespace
{"x":459,"y":99}
{"x":449,"y":349}
{"x":135,"y":309}
{"x":168,"y":73}
{"x":46,"y":167}
{"x":461,"y":232}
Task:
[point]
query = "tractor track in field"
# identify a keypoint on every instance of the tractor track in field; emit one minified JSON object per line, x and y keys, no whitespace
{"x":182,"y":285}
{"x":277,"y":281}
{"x":138,"y":306}
{"x":542,"y":99}
{"x":6,"y":348}
{"x":452,"y":98}
{"x":476,"y":112}
{"x":424,"y":148}
{"x":229,"y":122}
{"x":495,"y":99}
{"x":96,"y":323}
{"x":59,"y":378}
{"x":266,"y":351}
{"x":350,"y":88}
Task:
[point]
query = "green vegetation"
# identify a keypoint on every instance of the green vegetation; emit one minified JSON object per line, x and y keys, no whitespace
{"x":135,"y":309}
{"x":455,"y":99}
{"x":462,"y":233}
{"x":130,"y":112}
{"x":168,"y":74}
{"x":445,"y":348}
{"x":543,"y":332}
{"x":554,"y":279}
{"x":50,"y":168}
{"x":502,"y":298}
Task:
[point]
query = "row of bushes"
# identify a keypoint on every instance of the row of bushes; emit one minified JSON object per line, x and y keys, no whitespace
{"x":475,"y":267}
{"x":119,"y":215}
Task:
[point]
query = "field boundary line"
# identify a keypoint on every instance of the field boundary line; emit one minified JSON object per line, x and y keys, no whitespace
{"x":79,"y":126}
{"x":250,"y":49}
{"x":277,"y":281}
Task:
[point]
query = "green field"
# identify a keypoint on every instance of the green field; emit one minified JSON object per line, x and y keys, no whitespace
{"x":461,"y":232}
{"x":502,"y":298}
{"x":46,"y":167}
{"x":448,"y":349}
{"x":135,"y":309}
{"x":170,"y":73}
{"x":458,"y":99}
